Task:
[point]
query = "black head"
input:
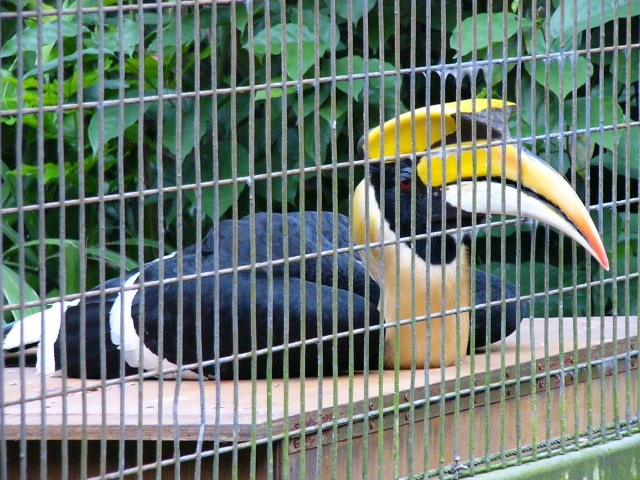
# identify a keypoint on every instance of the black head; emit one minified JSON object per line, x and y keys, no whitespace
{"x":430,"y":217}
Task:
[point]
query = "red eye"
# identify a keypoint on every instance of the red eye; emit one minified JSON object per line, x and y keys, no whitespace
{"x":405,"y":184}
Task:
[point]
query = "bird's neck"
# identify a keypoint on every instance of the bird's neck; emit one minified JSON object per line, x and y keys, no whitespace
{"x":413,"y":288}
{"x":420,"y":292}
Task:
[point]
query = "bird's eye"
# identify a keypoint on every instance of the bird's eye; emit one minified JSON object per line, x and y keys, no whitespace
{"x":405,"y":184}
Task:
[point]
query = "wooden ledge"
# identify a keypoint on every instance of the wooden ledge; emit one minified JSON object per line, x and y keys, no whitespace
{"x":145,"y":410}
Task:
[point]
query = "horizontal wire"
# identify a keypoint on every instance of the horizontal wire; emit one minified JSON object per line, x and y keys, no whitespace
{"x":435,"y":153}
{"x":152,"y":374}
{"x":299,"y":83}
{"x":276,"y":262}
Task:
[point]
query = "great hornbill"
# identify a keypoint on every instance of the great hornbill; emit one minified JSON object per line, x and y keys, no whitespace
{"x":451,"y":185}
{"x":234,"y":320}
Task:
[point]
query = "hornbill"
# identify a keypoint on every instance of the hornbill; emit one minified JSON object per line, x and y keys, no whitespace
{"x":325,"y":293}
{"x":449,"y":184}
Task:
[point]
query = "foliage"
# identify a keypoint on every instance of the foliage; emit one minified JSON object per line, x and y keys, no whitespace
{"x":217,"y":121}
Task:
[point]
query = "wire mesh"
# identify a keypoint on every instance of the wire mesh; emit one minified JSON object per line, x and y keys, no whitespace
{"x":161,"y":166}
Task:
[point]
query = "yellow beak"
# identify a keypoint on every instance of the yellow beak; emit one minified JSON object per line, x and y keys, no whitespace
{"x":471,"y":172}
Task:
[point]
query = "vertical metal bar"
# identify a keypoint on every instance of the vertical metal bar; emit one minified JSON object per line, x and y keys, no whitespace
{"x":474,"y":248}
{"x":215,"y":231}
{"x":397,"y":111}
{"x":4,"y":467}
{"x":303,"y":234}
{"x":121,"y":222}
{"x":160,"y":225}
{"x":197,"y":126}
{"x":614,"y":221}
{"x":270,"y":241}
{"x":367,"y":404}
{"x":284,"y":455}
{"x":382,"y":307}
{"x":179,"y":237}
{"x":334,"y":202}
{"x":42,"y":289}
{"x":518,"y":311}
{"x":503,"y":235}
{"x":82,"y":237}
{"x":459,"y":77}
{"x":381,"y":118}
{"x":561,"y":273}
{"x":142,"y":233}
{"x":488,"y":241}
{"x":574,"y":259}
{"x":318,"y":155}
{"x":532,"y":250}
{"x":430,"y":69}
{"x":351,"y":307}
{"x":252,"y":293}
{"x":414,"y":341}
{"x":627,"y":224}
{"x":589,"y":299}
{"x":235,"y":260}
{"x":602,"y":350}
{"x":547,"y":91}
{"x":21,"y":228}
{"x":442,"y":235}
{"x":64,"y":444}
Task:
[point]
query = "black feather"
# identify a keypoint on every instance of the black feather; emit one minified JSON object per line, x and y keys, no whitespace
{"x":313,"y":291}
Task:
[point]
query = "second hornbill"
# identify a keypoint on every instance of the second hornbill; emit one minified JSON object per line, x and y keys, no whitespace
{"x":439,"y":166}
{"x":115,"y":328}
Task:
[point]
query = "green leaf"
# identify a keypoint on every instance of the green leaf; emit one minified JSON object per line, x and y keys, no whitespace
{"x":275,"y":92}
{"x":612,"y":115}
{"x":227,"y":197}
{"x":630,"y":155}
{"x":624,"y":157}
{"x":341,"y":109}
{"x":356,"y":7}
{"x":11,"y":286}
{"x":242,"y":16}
{"x":130,"y":37}
{"x":583,"y":152}
{"x":49,"y":32}
{"x":111,"y":126}
{"x":111,"y":257}
{"x":187,"y":130}
{"x":342,"y":68}
{"x":576,"y":15}
{"x":188,"y":33}
{"x":627,"y":59}
{"x":308,"y":47}
{"x":225,"y":163}
{"x":72,"y":266}
{"x":562,"y":82}
{"x":481,"y":33}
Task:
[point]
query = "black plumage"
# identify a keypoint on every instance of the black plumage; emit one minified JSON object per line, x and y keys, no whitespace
{"x":319,"y":282}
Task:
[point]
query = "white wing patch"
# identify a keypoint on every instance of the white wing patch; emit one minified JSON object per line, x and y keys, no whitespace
{"x":125,"y":337}
{"x":29,"y":331}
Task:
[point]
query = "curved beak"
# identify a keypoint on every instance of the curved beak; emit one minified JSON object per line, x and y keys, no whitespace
{"x":545,"y":195}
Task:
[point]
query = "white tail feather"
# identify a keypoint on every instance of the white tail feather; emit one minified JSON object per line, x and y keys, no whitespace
{"x":28,"y":331}
{"x":124,"y":335}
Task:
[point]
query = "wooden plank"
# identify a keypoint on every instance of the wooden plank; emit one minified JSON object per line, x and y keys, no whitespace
{"x":153,"y":409}
{"x":568,"y":414}
{"x":122,"y":456}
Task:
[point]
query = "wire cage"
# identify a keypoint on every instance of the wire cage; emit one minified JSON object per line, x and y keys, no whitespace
{"x":174,"y":307}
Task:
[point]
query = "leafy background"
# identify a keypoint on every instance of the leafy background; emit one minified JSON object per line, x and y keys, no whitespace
{"x":560,"y":70}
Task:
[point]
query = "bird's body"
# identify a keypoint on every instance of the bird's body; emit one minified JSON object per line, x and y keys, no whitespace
{"x":438,"y":168}
{"x":424,"y":288}
{"x":233,"y":295}
{"x":226,"y":304}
